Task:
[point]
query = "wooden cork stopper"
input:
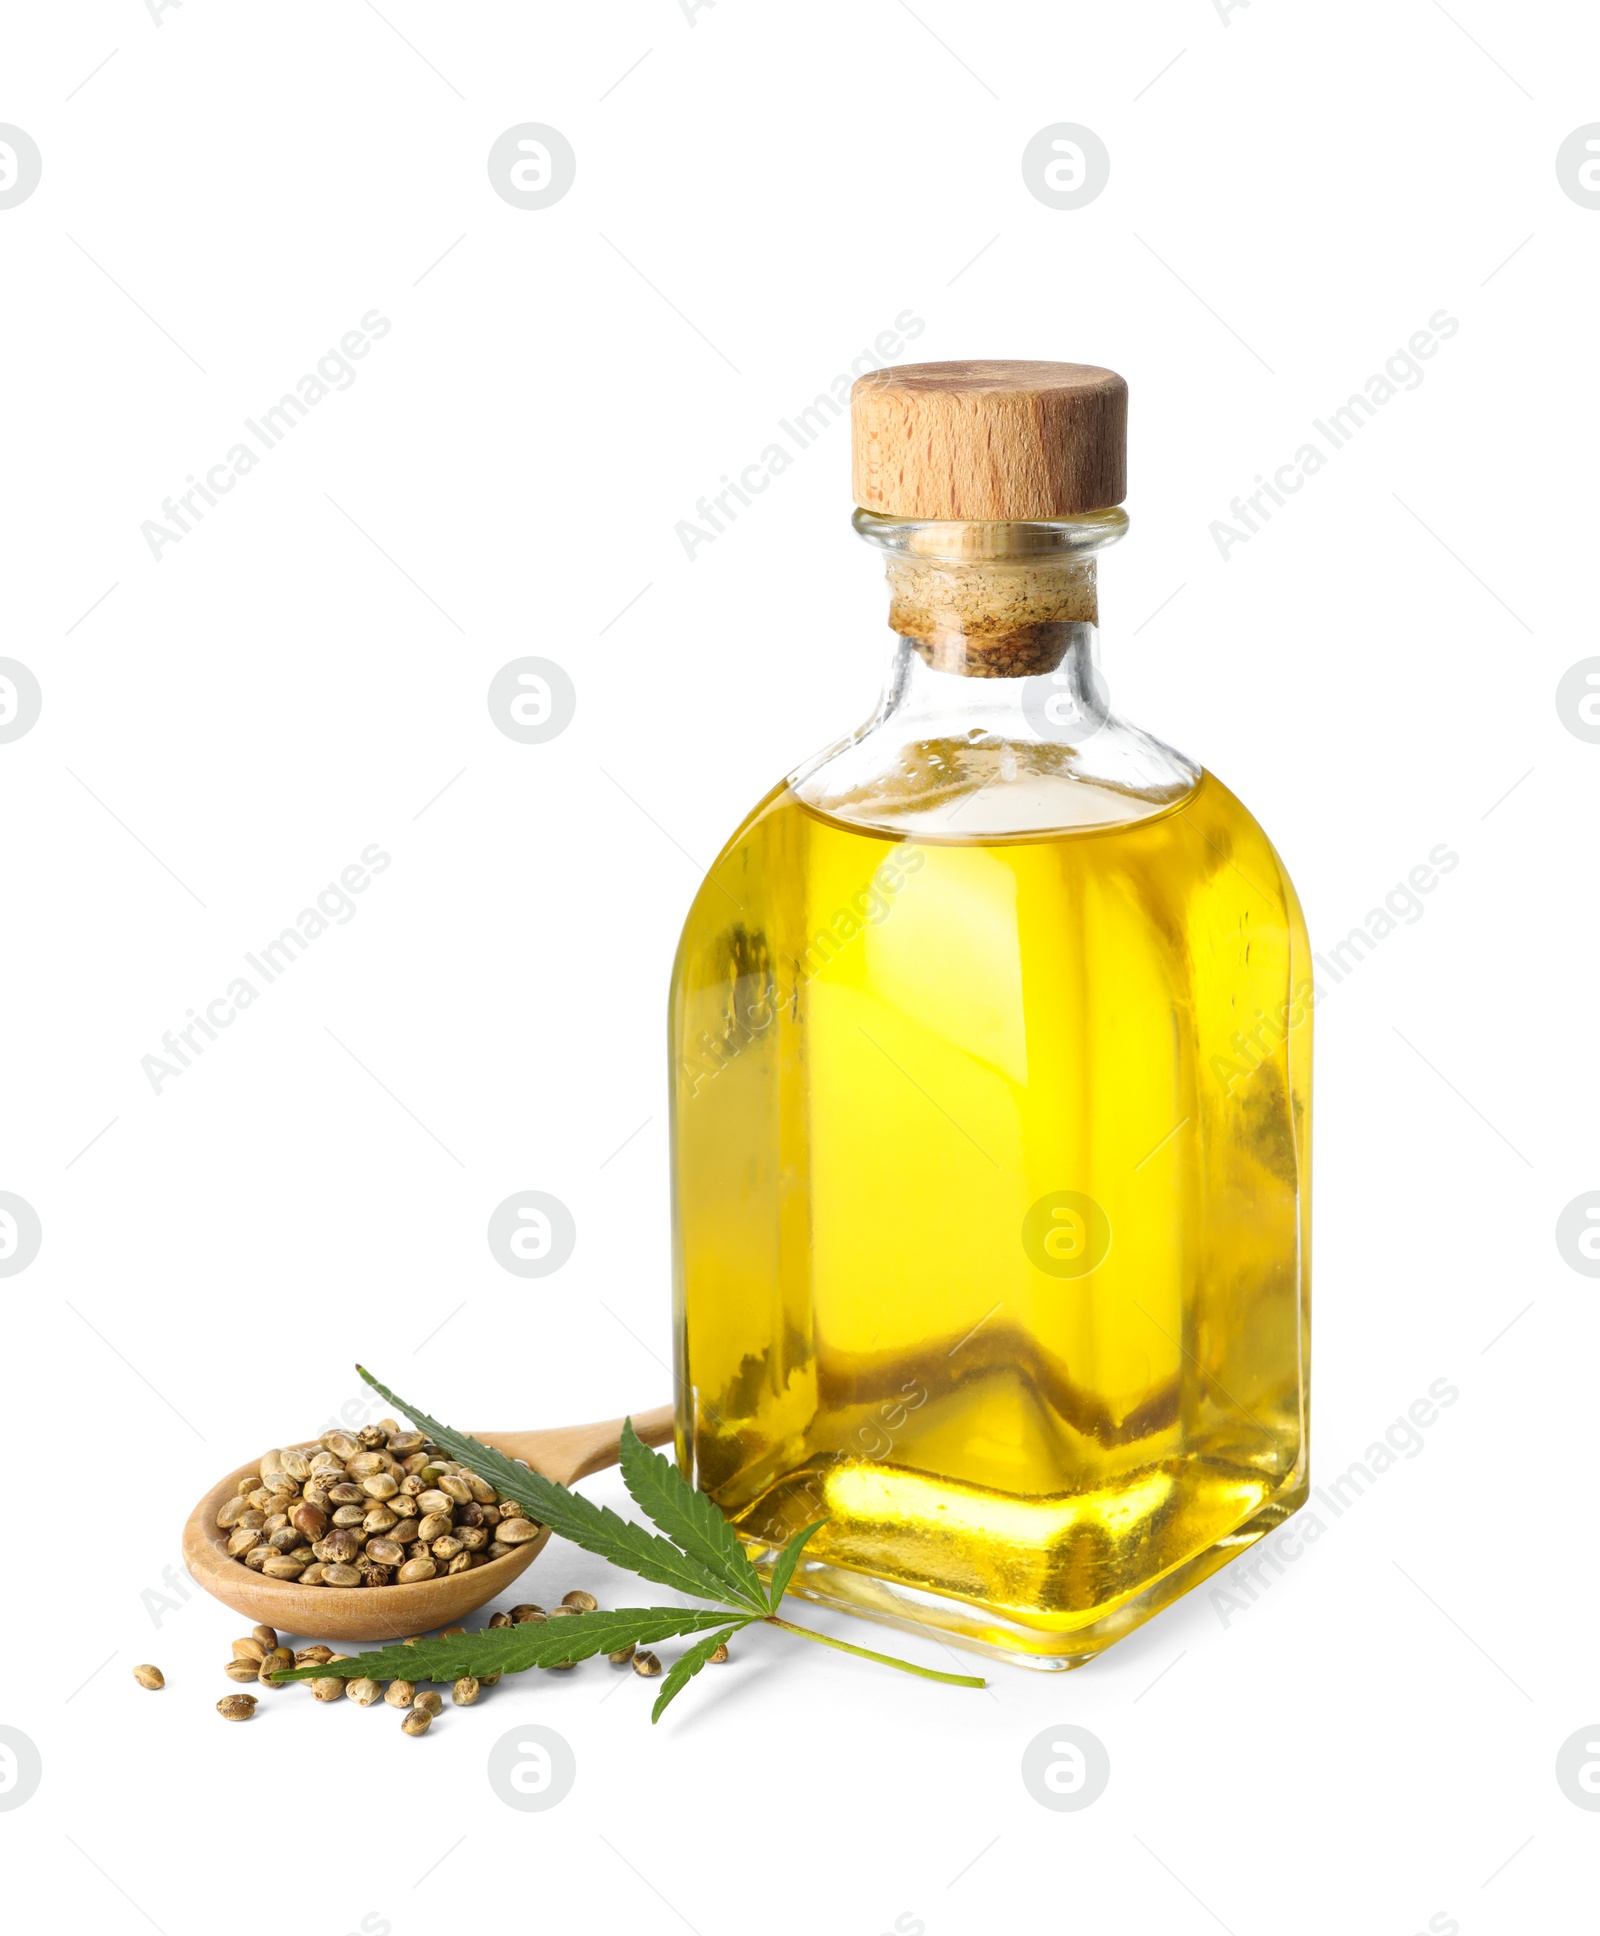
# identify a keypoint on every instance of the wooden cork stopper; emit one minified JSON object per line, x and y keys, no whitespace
{"x":989,"y":440}
{"x":1001,"y":618}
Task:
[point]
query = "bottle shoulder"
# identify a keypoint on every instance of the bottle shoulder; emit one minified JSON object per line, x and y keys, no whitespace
{"x":1212,"y":829}
{"x":984,"y":779}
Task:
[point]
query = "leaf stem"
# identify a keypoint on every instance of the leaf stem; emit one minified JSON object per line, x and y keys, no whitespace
{"x":866,"y":1653}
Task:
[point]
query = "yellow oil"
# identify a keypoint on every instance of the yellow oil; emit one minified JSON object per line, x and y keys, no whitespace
{"x":991,"y":1209}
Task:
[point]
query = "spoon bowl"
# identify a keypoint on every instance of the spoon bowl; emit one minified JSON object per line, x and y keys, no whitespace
{"x":564,"y":1453}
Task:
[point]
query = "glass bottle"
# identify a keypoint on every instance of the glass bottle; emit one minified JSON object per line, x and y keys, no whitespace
{"x":991,"y":1050}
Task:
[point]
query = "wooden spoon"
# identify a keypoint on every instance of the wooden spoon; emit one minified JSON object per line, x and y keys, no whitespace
{"x":567,"y":1453}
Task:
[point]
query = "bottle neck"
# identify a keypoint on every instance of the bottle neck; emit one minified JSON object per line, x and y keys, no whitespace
{"x":995,"y":721}
{"x":993,"y":601}
{"x":943,"y":702}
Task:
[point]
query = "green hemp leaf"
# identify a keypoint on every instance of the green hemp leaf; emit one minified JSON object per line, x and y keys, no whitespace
{"x":694,"y":1552}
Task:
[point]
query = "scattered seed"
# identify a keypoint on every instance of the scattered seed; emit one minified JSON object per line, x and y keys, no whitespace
{"x":719,"y":1656}
{"x":329,"y":1687}
{"x":148,"y":1676}
{"x":242,"y":1670}
{"x":528,"y":1611}
{"x":400,"y":1693}
{"x":430,"y":1703}
{"x":465,"y":1691}
{"x":622,"y":1656}
{"x":497,"y":1620}
{"x":237,"y":1707}
{"x":646,"y":1664}
{"x":363,"y":1690}
{"x":417,"y":1721}
{"x":266,"y":1635}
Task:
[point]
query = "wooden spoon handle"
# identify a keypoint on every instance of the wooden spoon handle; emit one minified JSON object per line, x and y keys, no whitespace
{"x":568,"y":1453}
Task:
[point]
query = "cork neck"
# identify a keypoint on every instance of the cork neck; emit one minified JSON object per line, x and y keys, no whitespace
{"x":993,"y":600}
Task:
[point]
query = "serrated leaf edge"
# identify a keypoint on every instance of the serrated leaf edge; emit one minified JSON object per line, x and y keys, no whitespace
{"x":688,"y":1664}
{"x":786,"y":1562}
{"x":596,"y":1528}
{"x":725,"y":1558}
{"x":502,"y":1649}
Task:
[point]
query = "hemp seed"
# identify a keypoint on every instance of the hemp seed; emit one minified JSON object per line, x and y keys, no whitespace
{"x":368,"y":1510}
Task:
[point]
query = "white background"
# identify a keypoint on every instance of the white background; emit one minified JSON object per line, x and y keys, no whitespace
{"x":1294,"y":190}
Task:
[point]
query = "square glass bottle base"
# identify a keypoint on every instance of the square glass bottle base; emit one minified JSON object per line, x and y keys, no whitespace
{"x":984,"y":1630}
